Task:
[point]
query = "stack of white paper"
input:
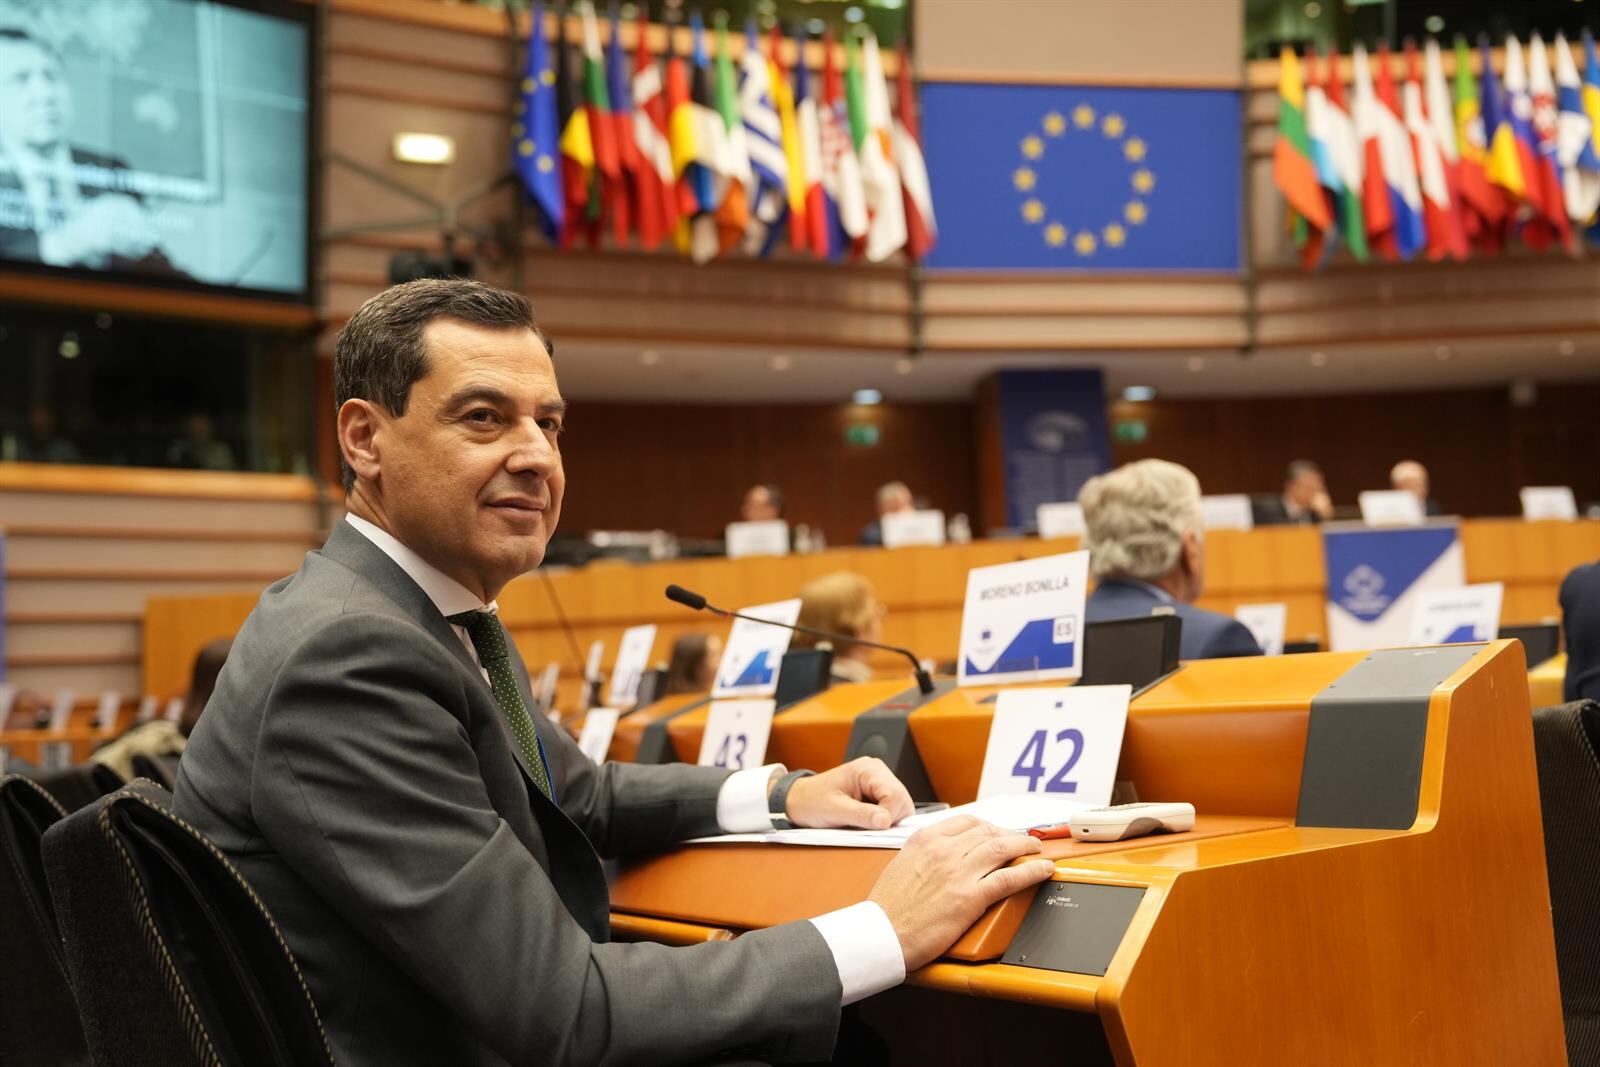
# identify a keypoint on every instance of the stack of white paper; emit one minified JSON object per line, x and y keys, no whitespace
{"x":1013,"y":811}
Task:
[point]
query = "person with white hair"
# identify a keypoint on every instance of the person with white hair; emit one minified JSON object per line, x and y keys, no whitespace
{"x":1147,"y":551}
{"x":892,"y":497}
{"x":1412,"y":477}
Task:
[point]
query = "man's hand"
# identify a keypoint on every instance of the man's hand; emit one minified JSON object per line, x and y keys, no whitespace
{"x":862,"y":794}
{"x":947,"y":876}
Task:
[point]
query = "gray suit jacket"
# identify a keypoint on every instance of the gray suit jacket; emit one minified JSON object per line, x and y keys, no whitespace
{"x":355,"y":767}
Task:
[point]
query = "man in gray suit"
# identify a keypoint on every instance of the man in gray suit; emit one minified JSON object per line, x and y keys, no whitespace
{"x":374,"y":763}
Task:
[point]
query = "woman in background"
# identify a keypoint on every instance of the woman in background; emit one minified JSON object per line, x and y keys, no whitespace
{"x":843,"y":603}
{"x":693,"y":665}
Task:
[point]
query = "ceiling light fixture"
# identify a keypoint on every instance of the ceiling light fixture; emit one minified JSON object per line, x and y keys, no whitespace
{"x":866,"y":397}
{"x":1139,"y":394}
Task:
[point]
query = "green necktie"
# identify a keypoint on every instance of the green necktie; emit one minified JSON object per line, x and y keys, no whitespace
{"x":489,"y":638}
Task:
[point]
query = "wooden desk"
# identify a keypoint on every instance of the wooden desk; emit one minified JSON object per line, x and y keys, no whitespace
{"x":1298,"y":924}
{"x":1547,"y":681}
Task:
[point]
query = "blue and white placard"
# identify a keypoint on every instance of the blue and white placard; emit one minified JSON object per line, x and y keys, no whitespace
{"x":736,"y":734}
{"x":1454,"y":616}
{"x":904,"y":528}
{"x":1060,"y":520}
{"x":1059,"y":741}
{"x":1023,"y":622}
{"x":633,"y":658}
{"x":1548,"y":502}
{"x":1390,"y":507}
{"x":1376,"y":577}
{"x":599,"y":725}
{"x":1266,"y":622}
{"x":768,"y":537}
{"x":754,"y":651}
{"x":1230,"y":511}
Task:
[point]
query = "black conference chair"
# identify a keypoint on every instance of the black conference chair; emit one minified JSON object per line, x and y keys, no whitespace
{"x":174,"y":958}
{"x":80,"y":785}
{"x":38,"y":1014}
{"x":162,"y":770}
{"x":1566,"y":741}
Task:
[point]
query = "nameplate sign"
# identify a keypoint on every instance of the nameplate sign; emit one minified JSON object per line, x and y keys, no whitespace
{"x":1023,"y":621}
{"x":105,"y":716}
{"x":1229,"y":511}
{"x":595,"y":739}
{"x":736,"y":734}
{"x":8,"y":697}
{"x":61,"y":710}
{"x":1267,"y":623}
{"x":1548,"y":502}
{"x":545,"y":691}
{"x":1453,"y":616}
{"x":902,"y":529}
{"x":1390,"y":507}
{"x":765,"y":538}
{"x":1060,"y":741}
{"x":148,"y":707}
{"x":174,"y":710}
{"x":750,"y":659}
{"x":1060,"y":520}
{"x":633,"y":659}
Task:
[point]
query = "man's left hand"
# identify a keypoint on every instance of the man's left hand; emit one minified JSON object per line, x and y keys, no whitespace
{"x":862,"y":794}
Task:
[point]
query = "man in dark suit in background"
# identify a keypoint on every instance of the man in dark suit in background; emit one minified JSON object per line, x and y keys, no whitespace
{"x":61,"y":205}
{"x":1304,"y":498}
{"x":1142,"y":527}
{"x":375,"y":764}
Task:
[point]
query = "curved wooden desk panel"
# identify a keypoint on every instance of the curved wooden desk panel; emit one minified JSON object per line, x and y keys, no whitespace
{"x":631,"y":727}
{"x":1256,"y":941}
{"x":686,"y":731}
{"x":815,"y":733}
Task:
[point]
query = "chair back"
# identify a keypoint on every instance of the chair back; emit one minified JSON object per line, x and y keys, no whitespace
{"x":38,"y":1015}
{"x":162,"y":770}
{"x":175,"y":959}
{"x":79,"y":785}
{"x":1566,"y":741}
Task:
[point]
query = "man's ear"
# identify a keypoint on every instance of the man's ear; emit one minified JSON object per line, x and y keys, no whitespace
{"x":359,"y":423}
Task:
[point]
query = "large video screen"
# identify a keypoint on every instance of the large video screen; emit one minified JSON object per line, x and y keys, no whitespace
{"x":157,"y":140}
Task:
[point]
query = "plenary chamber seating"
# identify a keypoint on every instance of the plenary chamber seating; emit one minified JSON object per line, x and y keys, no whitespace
{"x":174,"y":959}
{"x":1365,"y":882}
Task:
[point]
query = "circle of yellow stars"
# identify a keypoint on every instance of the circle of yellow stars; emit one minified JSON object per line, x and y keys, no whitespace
{"x":519,"y":129}
{"x":1112,"y":126}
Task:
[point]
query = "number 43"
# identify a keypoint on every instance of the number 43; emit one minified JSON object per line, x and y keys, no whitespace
{"x":1030,"y":764}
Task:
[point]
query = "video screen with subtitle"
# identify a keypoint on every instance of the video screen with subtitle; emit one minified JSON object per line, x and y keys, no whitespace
{"x":156,"y":140}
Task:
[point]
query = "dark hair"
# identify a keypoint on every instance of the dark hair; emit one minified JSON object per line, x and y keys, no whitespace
{"x":381,"y":354}
{"x":203,"y":681}
{"x":1299,"y":467}
{"x":16,"y":36}
{"x":683,"y":668}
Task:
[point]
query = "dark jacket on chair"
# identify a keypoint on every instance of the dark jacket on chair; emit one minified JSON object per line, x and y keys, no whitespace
{"x":1206,"y":634}
{"x":1580,"y":623}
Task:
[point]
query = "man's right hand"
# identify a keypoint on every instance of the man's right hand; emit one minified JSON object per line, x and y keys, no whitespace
{"x":948,"y":875}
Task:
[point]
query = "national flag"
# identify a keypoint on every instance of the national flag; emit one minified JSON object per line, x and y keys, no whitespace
{"x":886,"y":234}
{"x":1399,"y":164}
{"x":736,"y":179}
{"x":808,"y":123}
{"x":682,"y":134}
{"x":602,"y":125}
{"x":627,"y":207}
{"x":654,"y":188}
{"x":1547,"y":157}
{"x":793,"y":146}
{"x":577,"y":145}
{"x":1580,"y":166}
{"x":763,"y":134}
{"x":921,"y":229}
{"x":1503,"y":166}
{"x":708,"y":137}
{"x":1433,"y":176}
{"x":1344,"y":149}
{"x":1377,"y":207}
{"x":1293,"y":169}
{"x":1591,"y":83}
{"x":536,"y":132}
{"x":1316,"y":244}
{"x":1534,"y":213}
{"x":845,"y":196}
{"x":1439,"y":111}
{"x":1483,"y":206}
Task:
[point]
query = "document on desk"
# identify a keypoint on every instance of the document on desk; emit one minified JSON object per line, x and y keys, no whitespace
{"x":1014,"y":811}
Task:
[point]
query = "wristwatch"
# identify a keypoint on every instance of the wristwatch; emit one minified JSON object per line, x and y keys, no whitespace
{"x":778,"y":799}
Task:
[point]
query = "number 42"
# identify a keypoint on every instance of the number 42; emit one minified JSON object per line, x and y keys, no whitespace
{"x":1030,"y":764}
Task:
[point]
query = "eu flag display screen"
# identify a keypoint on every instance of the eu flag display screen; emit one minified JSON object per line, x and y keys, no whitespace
{"x":160,"y":140}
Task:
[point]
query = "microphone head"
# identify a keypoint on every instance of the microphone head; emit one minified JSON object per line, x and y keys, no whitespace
{"x":679,"y":595}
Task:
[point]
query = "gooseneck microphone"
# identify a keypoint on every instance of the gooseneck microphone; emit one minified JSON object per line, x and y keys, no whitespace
{"x":695,"y":602}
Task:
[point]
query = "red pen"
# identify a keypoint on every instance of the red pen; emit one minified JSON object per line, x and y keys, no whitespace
{"x":1051,"y":833}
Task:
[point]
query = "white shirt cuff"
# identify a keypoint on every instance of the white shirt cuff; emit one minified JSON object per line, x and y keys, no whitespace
{"x":742,"y":800}
{"x":865,"y":949}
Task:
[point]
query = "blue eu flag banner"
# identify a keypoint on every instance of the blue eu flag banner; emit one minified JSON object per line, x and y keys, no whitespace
{"x":536,"y":132}
{"x":1064,"y":178}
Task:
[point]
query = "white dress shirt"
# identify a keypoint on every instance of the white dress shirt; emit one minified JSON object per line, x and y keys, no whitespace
{"x":863,"y":942}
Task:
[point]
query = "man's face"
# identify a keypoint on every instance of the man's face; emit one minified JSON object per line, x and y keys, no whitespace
{"x":1413,"y":480}
{"x":758,"y":505}
{"x":37,"y":106}
{"x":1305,"y":487}
{"x":900,"y":500}
{"x":470,"y":476}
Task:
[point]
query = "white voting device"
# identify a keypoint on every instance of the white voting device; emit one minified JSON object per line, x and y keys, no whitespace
{"x":1122,"y":821}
